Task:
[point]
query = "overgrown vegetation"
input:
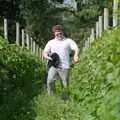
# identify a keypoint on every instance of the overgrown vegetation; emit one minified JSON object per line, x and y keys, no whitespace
{"x":21,"y":77}
{"x":94,"y":89}
{"x":95,"y":86}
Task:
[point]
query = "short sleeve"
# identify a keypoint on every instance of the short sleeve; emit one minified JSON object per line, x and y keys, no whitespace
{"x":47,"y":48}
{"x":73,"y":45}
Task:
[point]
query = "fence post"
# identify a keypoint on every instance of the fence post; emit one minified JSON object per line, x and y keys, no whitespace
{"x":33,"y":46}
{"x":27,"y":41}
{"x":92,"y":35}
{"x":36,"y":49}
{"x":100,"y":26}
{"x":23,"y":38}
{"x":88,"y":40}
{"x":40,"y":52}
{"x":17,"y":33}
{"x":106,"y":18}
{"x":5,"y":29}
{"x":86,"y":45}
{"x":97,"y":29}
{"x":115,"y":15}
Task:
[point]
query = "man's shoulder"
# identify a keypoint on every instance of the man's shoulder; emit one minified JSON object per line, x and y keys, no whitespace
{"x":51,"y":41}
{"x":69,"y":40}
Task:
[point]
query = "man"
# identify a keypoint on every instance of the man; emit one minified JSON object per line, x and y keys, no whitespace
{"x":62,"y":47}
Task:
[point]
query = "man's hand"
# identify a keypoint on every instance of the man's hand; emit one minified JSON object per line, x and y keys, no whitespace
{"x":75,"y":59}
{"x":45,"y":54}
{"x":49,"y":58}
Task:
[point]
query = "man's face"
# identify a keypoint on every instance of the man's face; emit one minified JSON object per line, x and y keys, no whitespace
{"x":58,"y":35}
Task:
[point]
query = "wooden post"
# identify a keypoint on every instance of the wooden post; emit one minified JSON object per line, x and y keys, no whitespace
{"x":92,"y":35}
{"x":17,"y":33}
{"x":115,"y":15}
{"x":31,"y":44}
{"x":5,"y":29}
{"x":88,"y":41}
{"x":85,"y":48}
{"x":36,"y":49}
{"x":40,"y":52}
{"x":90,"y":38}
{"x":106,"y":18}
{"x":23,"y":38}
{"x":27,"y":40}
{"x":100,"y":26}
{"x":97,"y":29}
{"x":87,"y":44}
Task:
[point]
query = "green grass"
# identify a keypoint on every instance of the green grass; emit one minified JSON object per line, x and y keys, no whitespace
{"x":21,"y":78}
{"x":94,"y":87}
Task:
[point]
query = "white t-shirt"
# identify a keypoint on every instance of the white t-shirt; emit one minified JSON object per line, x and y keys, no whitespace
{"x":63,"y":49}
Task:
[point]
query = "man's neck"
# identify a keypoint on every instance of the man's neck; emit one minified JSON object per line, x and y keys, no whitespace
{"x":59,"y":39}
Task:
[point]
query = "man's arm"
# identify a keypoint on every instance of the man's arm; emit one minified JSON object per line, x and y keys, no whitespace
{"x":75,"y":48}
{"x":47,"y":51}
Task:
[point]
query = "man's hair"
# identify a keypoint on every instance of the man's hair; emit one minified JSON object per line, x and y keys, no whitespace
{"x":57,"y":28}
